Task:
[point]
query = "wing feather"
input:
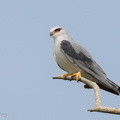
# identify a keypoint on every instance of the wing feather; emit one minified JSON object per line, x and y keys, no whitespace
{"x":79,"y":56}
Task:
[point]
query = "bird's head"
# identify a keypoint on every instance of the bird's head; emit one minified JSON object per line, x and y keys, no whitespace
{"x":57,"y":32}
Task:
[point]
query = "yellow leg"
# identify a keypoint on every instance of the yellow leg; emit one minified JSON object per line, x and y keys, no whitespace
{"x":77,"y":75}
{"x":64,"y":75}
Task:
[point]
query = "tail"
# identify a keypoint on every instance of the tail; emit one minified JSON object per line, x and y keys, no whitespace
{"x":115,"y":89}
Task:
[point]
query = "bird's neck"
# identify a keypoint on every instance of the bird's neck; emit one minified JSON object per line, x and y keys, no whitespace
{"x":58,"y":39}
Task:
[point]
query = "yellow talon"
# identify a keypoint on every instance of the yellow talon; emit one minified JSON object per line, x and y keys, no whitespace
{"x":77,"y":75}
{"x":64,"y":75}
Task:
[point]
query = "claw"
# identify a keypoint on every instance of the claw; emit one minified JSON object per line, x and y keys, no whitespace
{"x":77,"y":75}
{"x":64,"y":75}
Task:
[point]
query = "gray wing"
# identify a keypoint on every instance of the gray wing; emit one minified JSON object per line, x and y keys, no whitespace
{"x":79,"y":56}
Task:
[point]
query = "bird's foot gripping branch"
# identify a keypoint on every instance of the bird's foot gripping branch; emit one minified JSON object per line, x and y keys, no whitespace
{"x":98,"y":98}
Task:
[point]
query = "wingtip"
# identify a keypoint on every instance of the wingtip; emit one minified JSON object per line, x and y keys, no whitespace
{"x":118,"y":90}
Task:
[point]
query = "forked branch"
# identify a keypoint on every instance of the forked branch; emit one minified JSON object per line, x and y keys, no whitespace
{"x":98,"y":98}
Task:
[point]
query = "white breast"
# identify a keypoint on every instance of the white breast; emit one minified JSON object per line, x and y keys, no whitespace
{"x":63,"y":61}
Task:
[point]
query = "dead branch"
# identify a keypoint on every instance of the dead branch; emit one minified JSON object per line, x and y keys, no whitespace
{"x":98,"y":98}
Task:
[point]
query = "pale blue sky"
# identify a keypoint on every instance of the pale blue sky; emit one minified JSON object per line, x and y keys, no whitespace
{"x":27,"y":90}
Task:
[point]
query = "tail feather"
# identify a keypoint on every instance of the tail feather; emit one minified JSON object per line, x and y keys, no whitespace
{"x":119,"y":90}
{"x":116,"y":89}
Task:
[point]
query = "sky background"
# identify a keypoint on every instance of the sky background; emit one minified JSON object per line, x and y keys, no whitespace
{"x":27,"y":90}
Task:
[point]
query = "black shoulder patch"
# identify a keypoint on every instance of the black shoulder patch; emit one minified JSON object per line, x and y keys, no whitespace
{"x":69,"y":50}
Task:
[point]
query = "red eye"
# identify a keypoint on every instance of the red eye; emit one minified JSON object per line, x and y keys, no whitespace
{"x":57,"y":30}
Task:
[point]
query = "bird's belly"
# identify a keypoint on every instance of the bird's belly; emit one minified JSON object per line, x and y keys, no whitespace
{"x":65,"y":63}
{"x":69,"y":66}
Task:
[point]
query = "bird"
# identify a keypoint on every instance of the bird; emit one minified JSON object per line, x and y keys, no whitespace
{"x":77,"y":61}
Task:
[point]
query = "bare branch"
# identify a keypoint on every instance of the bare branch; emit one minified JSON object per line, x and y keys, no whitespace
{"x":98,"y":98}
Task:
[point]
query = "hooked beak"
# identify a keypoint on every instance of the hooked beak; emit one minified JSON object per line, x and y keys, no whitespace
{"x":51,"y":34}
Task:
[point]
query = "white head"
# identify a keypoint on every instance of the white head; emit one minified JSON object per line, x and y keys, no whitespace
{"x":57,"y":32}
